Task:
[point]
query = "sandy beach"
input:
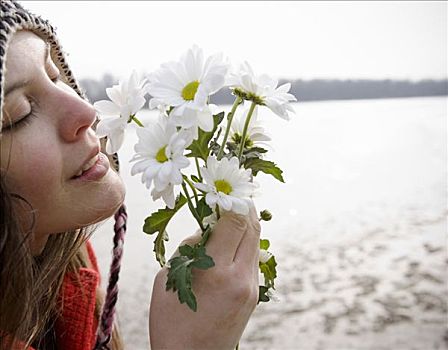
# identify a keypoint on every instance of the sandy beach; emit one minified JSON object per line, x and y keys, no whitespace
{"x":359,"y":232}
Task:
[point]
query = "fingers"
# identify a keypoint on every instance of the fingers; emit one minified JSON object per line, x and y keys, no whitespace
{"x":248,"y":251}
{"x":226,"y":237}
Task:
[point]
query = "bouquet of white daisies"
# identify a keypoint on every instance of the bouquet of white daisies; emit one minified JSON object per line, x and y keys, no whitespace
{"x":189,"y":128}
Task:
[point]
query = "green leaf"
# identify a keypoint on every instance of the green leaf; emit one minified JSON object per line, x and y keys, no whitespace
{"x":255,"y":149}
{"x":262,"y":294}
{"x":180,"y":277}
{"x":158,"y":221}
{"x":186,"y":250}
{"x":264,"y":244}
{"x":254,"y":152}
{"x":269,"y":272}
{"x":265,"y":166}
{"x":180,"y":280}
{"x":203,"y":263}
{"x":203,"y":209}
{"x":200,"y":147}
{"x":159,"y":247}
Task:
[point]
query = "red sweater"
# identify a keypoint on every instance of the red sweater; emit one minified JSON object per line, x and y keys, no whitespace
{"x":76,"y":328}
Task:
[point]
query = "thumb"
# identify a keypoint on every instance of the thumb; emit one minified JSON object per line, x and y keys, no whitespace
{"x":226,"y":237}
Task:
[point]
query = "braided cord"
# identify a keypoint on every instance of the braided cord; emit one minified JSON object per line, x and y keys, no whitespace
{"x":107,"y":316}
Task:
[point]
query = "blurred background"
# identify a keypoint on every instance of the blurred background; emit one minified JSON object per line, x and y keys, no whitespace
{"x":359,"y":228}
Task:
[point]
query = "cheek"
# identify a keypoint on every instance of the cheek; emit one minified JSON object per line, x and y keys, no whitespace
{"x":34,"y":172}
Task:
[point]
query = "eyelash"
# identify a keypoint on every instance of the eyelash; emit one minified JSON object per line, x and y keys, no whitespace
{"x":26,"y":120}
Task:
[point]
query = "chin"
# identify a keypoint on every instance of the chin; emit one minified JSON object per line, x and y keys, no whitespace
{"x":115,"y":195}
{"x":103,"y":201}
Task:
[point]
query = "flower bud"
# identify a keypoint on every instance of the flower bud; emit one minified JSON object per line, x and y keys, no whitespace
{"x":265,"y":215}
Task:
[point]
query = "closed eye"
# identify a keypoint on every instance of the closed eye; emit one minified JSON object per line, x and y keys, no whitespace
{"x":26,"y":120}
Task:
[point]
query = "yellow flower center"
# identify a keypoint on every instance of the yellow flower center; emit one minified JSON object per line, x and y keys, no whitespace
{"x":223,"y":186}
{"x":161,"y":156}
{"x":189,"y":91}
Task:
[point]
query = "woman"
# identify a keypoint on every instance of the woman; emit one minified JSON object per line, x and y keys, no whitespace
{"x":55,"y":185}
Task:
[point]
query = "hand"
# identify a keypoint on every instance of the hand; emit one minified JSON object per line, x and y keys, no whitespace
{"x":226,"y":293}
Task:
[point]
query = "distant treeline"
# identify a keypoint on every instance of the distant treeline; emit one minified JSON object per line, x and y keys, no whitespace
{"x":313,"y":90}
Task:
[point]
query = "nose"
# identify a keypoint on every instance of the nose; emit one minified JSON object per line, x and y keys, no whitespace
{"x":76,"y":115}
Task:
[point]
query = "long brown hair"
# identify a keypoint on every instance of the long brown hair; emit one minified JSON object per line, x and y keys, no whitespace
{"x":30,"y":286}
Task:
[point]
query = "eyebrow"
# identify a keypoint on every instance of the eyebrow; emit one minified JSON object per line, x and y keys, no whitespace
{"x":21,"y":83}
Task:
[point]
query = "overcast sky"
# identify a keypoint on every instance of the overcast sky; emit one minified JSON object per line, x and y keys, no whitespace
{"x":401,"y":40}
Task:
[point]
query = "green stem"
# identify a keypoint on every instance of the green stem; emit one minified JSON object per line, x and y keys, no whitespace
{"x":229,"y":122}
{"x":205,"y":236}
{"x":197,"y":167}
{"x":237,"y":346}
{"x":195,"y":193}
{"x":218,"y":214}
{"x":135,"y":119}
{"x":246,"y":126}
{"x":192,"y":208}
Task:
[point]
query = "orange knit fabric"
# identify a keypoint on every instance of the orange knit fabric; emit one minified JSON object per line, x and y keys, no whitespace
{"x":76,"y":328}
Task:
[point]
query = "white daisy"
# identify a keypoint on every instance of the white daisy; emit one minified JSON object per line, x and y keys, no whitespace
{"x":159,"y":157}
{"x":255,"y":134}
{"x":127,"y":98}
{"x":167,"y":195}
{"x":226,"y":185}
{"x":186,"y":85}
{"x":263,"y":90}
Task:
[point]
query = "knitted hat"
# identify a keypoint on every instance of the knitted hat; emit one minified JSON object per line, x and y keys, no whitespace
{"x":15,"y":18}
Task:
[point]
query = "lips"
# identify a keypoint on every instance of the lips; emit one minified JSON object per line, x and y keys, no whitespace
{"x":87,"y":165}
{"x":94,"y":169}
{"x":89,"y":162}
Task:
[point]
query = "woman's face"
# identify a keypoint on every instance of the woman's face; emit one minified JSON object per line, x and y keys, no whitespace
{"x":49,"y":142}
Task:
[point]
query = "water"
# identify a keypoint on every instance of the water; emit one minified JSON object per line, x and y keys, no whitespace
{"x":359,"y":175}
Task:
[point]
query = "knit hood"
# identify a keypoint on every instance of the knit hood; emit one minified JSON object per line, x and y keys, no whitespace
{"x":15,"y":18}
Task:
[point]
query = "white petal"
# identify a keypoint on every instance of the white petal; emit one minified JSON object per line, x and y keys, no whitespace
{"x":205,"y":120}
{"x":168,"y":197}
{"x":151,"y":172}
{"x":239,"y":206}
{"x":137,"y":104}
{"x":139,"y":167}
{"x":107,"y":108}
{"x":181,"y":162}
{"x":206,"y":175}
{"x":211,"y":198}
{"x":115,"y":141}
{"x":214,"y":83}
{"x":224,"y":202}
{"x":114,"y":93}
{"x":185,"y":117}
{"x":176,"y":177}
{"x":265,"y":80}
{"x":212,"y":164}
{"x":160,"y":182}
{"x":201,"y":186}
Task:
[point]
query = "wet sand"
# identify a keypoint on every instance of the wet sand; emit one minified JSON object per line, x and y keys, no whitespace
{"x":384,"y":291}
{"x":359,"y":232}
